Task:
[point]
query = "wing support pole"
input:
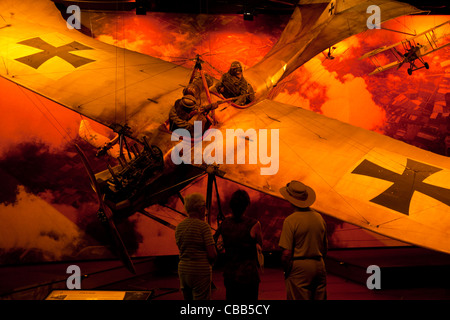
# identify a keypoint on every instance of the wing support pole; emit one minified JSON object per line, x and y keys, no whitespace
{"x":212,"y":171}
{"x":163,"y":222}
{"x":198,"y":67}
{"x":106,"y":216}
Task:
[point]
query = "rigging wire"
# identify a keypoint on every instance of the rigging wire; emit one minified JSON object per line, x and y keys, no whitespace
{"x":357,"y":145}
{"x":318,"y":75}
{"x":124,"y":69}
{"x":299,"y":156}
{"x":116,"y":76}
{"x":64,"y":134}
{"x":7,"y":46}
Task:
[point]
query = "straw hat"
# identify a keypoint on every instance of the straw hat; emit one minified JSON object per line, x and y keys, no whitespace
{"x":299,"y":194}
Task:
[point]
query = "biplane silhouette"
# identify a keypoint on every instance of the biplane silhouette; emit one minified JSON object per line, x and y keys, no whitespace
{"x":411,"y":51}
{"x":360,"y":177}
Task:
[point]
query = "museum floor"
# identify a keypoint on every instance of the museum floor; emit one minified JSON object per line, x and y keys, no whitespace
{"x":272,"y":288}
{"x":406,"y":274}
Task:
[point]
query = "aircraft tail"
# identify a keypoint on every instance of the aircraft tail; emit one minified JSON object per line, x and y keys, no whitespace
{"x":97,"y":140}
{"x":315,"y":26}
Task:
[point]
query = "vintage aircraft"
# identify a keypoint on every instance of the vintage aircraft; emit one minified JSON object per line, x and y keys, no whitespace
{"x":431,"y":40}
{"x":360,"y":177}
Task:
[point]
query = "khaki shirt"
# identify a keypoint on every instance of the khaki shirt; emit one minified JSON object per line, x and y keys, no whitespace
{"x":305,"y":231}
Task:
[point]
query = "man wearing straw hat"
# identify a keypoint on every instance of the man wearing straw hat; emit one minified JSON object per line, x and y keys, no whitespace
{"x":304,"y":242}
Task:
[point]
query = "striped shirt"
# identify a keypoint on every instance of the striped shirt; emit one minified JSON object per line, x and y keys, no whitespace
{"x":192,"y":237}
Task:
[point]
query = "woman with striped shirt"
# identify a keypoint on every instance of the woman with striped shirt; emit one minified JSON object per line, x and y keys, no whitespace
{"x":197,"y":250}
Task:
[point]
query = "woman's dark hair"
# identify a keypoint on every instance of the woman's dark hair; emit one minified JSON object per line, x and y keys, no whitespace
{"x":239,"y":202}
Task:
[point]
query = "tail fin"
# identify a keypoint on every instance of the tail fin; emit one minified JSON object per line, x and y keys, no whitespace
{"x":96,"y":139}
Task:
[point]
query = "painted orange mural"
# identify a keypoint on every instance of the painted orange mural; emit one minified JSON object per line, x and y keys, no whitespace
{"x":47,"y":208}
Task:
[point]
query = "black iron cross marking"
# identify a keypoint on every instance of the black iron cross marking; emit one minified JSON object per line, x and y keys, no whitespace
{"x":398,"y":196}
{"x":331,"y":9}
{"x":49,"y":51}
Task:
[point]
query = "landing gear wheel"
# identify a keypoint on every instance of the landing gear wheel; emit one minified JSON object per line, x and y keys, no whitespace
{"x":427,"y":66}
{"x":409,"y":71}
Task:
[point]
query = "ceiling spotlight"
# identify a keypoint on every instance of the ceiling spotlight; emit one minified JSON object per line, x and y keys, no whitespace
{"x":248,"y":15}
{"x":141,"y":8}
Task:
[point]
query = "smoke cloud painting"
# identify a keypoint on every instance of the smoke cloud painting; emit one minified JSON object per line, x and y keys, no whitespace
{"x":47,"y":207}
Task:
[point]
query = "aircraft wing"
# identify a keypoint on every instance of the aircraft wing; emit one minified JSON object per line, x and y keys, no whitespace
{"x":379,"y":50}
{"x":429,"y":34}
{"x":361,"y":177}
{"x":433,"y":34}
{"x":113,"y":86}
{"x":424,"y":50}
{"x":431,"y":40}
{"x":435,"y":38}
{"x":397,"y":55}
{"x":385,"y":67}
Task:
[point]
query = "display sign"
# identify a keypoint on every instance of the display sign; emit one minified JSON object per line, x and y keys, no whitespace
{"x":98,"y":295}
